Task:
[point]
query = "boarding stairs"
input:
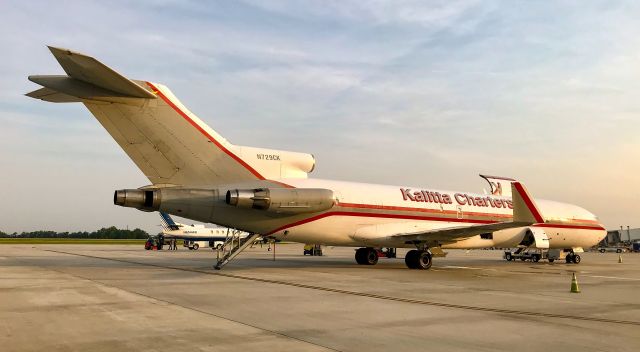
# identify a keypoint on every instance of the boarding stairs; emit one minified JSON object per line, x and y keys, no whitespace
{"x":233,"y":245}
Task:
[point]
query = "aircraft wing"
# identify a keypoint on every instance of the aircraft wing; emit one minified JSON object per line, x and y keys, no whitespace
{"x":525,"y":213}
{"x":451,"y":234}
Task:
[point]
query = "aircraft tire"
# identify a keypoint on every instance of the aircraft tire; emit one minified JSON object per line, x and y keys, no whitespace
{"x":372,"y":257}
{"x":424,"y":260}
{"x":361,"y":256}
{"x":418,"y":259}
{"x":569,"y":258}
{"x":410,"y":260}
{"x":576,"y":259}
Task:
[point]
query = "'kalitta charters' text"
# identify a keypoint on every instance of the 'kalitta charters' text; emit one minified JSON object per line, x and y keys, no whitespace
{"x":461,"y":198}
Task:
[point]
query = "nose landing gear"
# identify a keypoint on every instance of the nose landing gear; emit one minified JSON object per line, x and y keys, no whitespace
{"x":573,"y":258}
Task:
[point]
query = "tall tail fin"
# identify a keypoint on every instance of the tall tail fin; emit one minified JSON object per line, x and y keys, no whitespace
{"x":167,"y":142}
{"x":168,"y":222}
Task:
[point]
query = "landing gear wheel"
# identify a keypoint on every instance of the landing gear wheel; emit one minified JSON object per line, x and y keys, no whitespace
{"x":195,"y":247}
{"x":535,"y":259}
{"x":372,"y":257}
{"x":418,"y":259}
{"x":366,"y":256}
{"x":576,"y":259}
{"x":410,"y":259}
{"x":361,"y":256}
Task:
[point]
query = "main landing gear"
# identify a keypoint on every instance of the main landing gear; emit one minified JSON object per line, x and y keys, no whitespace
{"x":415,"y":258}
{"x":418,"y":259}
{"x":367,"y":256}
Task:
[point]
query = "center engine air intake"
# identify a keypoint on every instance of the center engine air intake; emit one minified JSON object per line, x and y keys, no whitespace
{"x":282,"y":200}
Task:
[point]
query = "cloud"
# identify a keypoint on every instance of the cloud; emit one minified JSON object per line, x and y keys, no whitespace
{"x":396,"y":92}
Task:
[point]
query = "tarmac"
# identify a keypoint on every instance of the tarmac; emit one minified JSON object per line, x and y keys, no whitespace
{"x":120,"y":298}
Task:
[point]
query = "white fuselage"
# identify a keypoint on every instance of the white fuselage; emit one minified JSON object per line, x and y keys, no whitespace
{"x":387,"y":209}
{"x":196,"y":231}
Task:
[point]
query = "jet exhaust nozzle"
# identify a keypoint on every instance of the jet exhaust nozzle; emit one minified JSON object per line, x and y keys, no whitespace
{"x":136,"y":198}
{"x":282,"y":200}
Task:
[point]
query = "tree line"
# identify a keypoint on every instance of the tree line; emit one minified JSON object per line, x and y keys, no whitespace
{"x":104,"y":233}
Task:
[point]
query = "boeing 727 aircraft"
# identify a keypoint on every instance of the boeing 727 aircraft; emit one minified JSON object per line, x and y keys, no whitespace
{"x":195,"y":173}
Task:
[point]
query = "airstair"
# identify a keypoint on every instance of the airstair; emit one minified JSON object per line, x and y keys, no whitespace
{"x":233,"y":245}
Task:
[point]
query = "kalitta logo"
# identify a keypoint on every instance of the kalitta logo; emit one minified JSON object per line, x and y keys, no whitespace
{"x":425,"y":196}
{"x":461,"y":199}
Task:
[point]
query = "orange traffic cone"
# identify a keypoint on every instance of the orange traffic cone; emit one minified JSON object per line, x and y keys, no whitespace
{"x":574,"y":284}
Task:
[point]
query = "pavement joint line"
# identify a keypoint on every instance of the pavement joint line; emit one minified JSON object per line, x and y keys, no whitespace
{"x":613,"y":277}
{"x":276,"y":333}
{"x":369,"y":295}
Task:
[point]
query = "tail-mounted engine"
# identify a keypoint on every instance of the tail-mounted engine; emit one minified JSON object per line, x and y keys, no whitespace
{"x":282,"y":200}
{"x":136,"y":198}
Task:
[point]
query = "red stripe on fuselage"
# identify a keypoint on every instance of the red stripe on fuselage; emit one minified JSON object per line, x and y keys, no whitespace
{"x":563,"y":226}
{"x":376,"y":215}
{"x":209,"y":137}
{"x":415,"y":217}
{"x":422,"y":210}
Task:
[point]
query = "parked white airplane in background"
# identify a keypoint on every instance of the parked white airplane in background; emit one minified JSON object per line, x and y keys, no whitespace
{"x":197,"y":174}
{"x":194,"y":233}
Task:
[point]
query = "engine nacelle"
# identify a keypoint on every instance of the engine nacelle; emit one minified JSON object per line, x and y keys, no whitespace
{"x":136,"y":198}
{"x":197,"y":204}
{"x":282,"y":200}
{"x":535,"y":237}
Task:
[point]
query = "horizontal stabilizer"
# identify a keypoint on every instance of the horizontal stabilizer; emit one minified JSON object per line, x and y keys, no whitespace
{"x":73,"y":90}
{"x":53,"y":96}
{"x":170,"y":144}
{"x":89,"y":70}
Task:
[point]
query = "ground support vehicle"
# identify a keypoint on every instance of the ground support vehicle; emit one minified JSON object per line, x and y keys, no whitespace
{"x":612,"y":249}
{"x":312,"y":249}
{"x":537,"y":254}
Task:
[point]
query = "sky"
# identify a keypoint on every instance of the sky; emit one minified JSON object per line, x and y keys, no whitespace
{"x":420,"y":93}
